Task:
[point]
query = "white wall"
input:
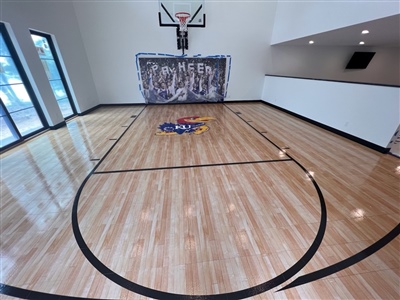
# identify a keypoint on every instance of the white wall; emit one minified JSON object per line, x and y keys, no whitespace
{"x":57,"y":18}
{"x":113,"y":32}
{"x":98,"y":41}
{"x":369,"y":112}
{"x":295,"y":19}
{"x":325,"y":62}
{"x":49,"y":108}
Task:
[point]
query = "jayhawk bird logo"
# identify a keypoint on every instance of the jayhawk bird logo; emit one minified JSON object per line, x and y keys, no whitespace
{"x":190,"y":125}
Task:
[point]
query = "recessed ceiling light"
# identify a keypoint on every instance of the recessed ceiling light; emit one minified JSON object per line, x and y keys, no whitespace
{"x":311,"y":42}
{"x":361,"y":43}
{"x":364,"y":32}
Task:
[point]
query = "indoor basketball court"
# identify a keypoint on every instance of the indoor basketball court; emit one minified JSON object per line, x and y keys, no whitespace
{"x":261,"y":205}
{"x":187,"y":195}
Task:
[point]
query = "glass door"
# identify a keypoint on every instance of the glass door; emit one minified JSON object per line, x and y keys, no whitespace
{"x":20,"y":114}
{"x":52,"y":67}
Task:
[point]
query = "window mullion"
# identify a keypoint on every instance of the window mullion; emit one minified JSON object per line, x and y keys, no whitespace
{"x":9,"y":121}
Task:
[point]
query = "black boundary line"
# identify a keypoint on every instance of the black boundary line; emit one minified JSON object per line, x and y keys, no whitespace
{"x":35,"y":295}
{"x":58,"y":126}
{"x":8,"y":290}
{"x":238,"y":114}
{"x":194,"y":166}
{"x":29,"y":294}
{"x":307,"y":278}
{"x":346,"y":262}
{"x":245,"y":293}
{"x":313,"y":122}
{"x":331,"y":129}
{"x":323,"y":221}
{"x":89,"y":110}
{"x":395,"y":155}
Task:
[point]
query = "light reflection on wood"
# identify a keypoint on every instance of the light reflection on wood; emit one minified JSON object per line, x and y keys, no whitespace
{"x":201,"y":230}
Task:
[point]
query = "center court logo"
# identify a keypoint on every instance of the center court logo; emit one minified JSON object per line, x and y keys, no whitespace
{"x":190,"y":125}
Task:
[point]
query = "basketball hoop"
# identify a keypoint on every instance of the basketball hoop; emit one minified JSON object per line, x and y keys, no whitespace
{"x":182,"y":18}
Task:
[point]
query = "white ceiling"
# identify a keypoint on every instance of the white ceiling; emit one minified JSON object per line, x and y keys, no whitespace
{"x":383,"y":32}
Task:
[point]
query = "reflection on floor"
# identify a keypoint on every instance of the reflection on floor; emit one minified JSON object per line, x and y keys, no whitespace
{"x":260,"y":206}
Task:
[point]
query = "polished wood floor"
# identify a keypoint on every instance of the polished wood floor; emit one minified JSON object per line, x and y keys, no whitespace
{"x":261,"y":206}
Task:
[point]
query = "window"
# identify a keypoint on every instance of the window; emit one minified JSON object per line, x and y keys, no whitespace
{"x":52,"y":67}
{"x":20,"y":114}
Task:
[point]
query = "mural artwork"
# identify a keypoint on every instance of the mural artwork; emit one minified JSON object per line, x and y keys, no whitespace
{"x":183,"y":79}
{"x":190,"y":125}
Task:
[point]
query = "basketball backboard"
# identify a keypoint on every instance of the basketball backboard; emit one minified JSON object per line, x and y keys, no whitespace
{"x":168,"y":9}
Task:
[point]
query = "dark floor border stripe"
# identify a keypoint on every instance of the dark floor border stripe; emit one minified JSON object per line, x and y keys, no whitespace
{"x":241,"y":294}
{"x":58,"y":126}
{"x":345,"y":263}
{"x":34,"y":295}
{"x":121,"y":104}
{"x":28,"y":294}
{"x":240,"y":101}
{"x":331,"y":129}
{"x":88,"y":111}
{"x":321,"y":125}
{"x":195,"y":166}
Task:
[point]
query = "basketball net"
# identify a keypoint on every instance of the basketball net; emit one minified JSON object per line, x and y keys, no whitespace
{"x":183,"y":20}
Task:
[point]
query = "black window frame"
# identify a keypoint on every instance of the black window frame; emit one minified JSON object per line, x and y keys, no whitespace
{"x":29,"y":89}
{"x":60,"y":69}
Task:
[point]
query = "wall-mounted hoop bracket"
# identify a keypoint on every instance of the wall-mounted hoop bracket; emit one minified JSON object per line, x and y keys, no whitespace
{"x":182,"y":14}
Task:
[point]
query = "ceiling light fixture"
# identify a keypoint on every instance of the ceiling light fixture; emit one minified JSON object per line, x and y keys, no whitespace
{"x":311,"y":42}
{"x":361,"y":43}
{"x":364,"y":32}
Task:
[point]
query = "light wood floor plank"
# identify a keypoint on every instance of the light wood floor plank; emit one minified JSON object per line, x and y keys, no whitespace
{"x":197,"y":230}
{"x":241,"y":198}
{"x":229,"y":140}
